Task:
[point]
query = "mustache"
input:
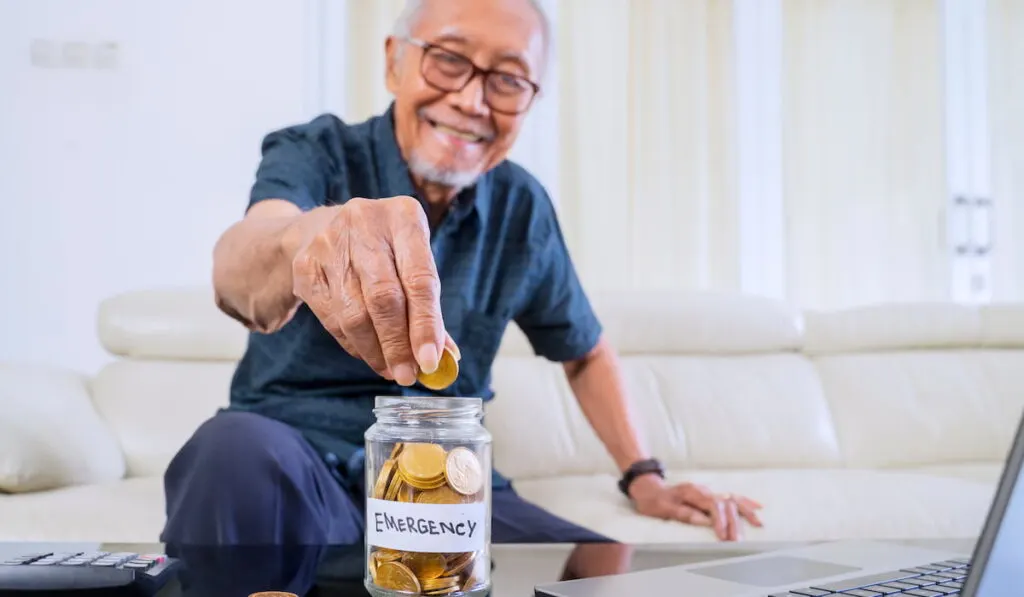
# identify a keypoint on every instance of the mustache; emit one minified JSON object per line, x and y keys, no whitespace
{"x":485,"y":132}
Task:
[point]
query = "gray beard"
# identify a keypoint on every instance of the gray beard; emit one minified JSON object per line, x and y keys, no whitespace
{"x":429,"y":172}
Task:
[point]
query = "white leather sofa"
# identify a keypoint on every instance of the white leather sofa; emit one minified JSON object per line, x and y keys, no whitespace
{"x":883,"y":422}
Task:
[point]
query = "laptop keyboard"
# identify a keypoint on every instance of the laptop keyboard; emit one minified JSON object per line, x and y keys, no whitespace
{"x":934,"y":580}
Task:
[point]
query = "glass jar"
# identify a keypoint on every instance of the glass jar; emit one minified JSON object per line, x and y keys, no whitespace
{"x":428,"y":498}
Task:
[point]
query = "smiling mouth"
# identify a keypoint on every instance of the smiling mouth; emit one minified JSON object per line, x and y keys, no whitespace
{"x":464,"y":135}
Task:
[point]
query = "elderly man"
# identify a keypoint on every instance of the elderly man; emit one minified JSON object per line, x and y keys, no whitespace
{"x":365,"y":250}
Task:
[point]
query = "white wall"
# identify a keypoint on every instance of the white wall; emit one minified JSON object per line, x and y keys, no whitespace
{"x":120,"y":178}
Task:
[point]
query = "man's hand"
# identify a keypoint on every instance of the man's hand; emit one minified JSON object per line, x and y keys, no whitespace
{"x":368,"y":274}
{"x":694,"y":504}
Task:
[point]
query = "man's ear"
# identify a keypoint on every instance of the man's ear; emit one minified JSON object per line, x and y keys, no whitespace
{"x":392,"y":55}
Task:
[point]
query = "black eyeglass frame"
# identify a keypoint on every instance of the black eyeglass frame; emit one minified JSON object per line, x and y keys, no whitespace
{"x":474,"y":71}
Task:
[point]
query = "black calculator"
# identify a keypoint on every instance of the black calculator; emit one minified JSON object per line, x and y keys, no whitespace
{"x":82,"y":573}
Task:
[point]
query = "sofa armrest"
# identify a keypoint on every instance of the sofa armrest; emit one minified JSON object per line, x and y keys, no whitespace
{"x":50,"y":434}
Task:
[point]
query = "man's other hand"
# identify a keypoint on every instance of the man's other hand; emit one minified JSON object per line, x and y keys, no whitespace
{"x":694,"y":504}
{"x":368,"y":274}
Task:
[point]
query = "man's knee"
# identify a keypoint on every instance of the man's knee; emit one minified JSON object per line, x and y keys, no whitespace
{"x":235,"y":451}
{"x":244,"y":478}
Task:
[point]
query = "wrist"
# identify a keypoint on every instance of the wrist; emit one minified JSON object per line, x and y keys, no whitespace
{"x":297,"y":233}
{"x":642,"y":469}
{"x":645,"y":484}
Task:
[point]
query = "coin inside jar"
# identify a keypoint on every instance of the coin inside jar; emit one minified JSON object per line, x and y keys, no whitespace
{"x":397,"y":577}
{"x":422,"y":464}
{"x":463,"y":470}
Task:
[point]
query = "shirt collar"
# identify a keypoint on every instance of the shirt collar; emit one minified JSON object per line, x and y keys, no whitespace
{"x":395,"y":178}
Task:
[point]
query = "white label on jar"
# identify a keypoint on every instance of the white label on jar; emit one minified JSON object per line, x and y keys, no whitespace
{"x":433,"y":528}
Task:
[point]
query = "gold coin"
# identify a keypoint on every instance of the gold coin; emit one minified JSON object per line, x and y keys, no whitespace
{"x":435,"y":584}
{"x":374,"y":563}
{"x":459,"y":563}
{"x":463,"y":470}
{"x":422,"y":464}
{"x":387,"y":471}
{"x":397,"y":483}
{"x":273,"y":594}
{"x":386,"y":554}
{"x":445,"y":375}
{"x":425,"y":485}
{"x":425,"y":565}
{"x":441,"y":495}
{"x":397,"y":577}
{"x":397,"y":450}
{"x":407,"y":494}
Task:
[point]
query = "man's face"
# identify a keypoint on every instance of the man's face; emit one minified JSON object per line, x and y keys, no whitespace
{"x":452,"y":137}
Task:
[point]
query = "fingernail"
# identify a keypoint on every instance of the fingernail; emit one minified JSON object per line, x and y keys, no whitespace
{"x":456,"y":352}
{"x":428,"y":358}
{"x":404,"y":374}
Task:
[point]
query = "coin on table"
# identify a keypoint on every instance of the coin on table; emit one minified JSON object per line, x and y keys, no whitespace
{"x":446,"y":373}
{"x":273,"y":594}
{"x":422,"y":464}
{"x":425,"y":565}
{"x":463,"y":470}
{"x":397,"y":577}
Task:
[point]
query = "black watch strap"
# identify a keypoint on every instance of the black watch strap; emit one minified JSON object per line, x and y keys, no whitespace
{"x":640,"y":467}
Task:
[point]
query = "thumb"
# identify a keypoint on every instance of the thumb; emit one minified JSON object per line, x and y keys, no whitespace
{"x":450,"y":344}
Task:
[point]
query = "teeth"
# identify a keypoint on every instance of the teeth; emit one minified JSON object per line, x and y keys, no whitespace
{"x":455,"y":133}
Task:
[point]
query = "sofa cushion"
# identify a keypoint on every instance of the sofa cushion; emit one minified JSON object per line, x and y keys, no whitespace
{"x":846,"y":504}
{"x":741,"y":411}
{"x":171,"y":323}
{"x":924,"y":407}
{"x":155,"y":406}
{"x":50,"y":435}
{"x":124,"y":511}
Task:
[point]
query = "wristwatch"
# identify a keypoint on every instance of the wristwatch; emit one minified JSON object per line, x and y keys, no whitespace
{"x":640,"y":467}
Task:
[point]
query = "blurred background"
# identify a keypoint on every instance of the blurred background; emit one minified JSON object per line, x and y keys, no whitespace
{"x":832,"y":153}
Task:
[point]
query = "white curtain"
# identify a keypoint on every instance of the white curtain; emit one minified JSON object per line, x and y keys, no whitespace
{"x":648,"y":184}
{"x":1005,"y":21}
{"x":863,"y":151}
{"x":638,"y":142}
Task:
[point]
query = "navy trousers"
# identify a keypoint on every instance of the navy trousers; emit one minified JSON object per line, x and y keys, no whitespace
{"x":245,"y":479}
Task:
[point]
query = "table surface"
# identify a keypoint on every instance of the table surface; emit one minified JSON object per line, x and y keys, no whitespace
{"x":337,"y":571}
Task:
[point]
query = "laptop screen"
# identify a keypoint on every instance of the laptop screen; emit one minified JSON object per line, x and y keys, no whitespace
{"x":997,"y":568}
{"x":1002,"y":573}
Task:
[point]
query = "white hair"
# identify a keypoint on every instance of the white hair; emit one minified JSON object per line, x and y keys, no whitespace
{"x":406,"y":22}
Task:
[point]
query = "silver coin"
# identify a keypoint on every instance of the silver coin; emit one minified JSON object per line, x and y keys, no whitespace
{"x":463,"y":471}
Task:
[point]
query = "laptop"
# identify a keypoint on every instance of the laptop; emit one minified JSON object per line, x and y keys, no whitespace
{"x":852,"y":568}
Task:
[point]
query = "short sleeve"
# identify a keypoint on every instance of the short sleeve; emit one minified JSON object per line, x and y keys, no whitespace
{"x":558,"y":319}
{"x":295,"y":167}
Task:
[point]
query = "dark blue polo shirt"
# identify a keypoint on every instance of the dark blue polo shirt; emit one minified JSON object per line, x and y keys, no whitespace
{"x":499,"y":252}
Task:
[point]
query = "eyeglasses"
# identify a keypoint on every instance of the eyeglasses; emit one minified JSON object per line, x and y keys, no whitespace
{"x":449,"y":71}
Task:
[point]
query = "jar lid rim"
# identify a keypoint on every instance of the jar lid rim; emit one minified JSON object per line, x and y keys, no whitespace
{"x":429,"y":402}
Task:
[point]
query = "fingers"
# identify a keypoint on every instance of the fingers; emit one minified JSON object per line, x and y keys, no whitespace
{"x":312,"y":283}
{"x":725,"y":510}
{"x":417,"y":273}
{"x":692,"y":516}
{"x":385,"y":343}
{"x":452,"y":346}
{"x":748,"y":509}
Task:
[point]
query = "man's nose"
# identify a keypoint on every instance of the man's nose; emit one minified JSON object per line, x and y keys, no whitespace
{"x":470,"y":100}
